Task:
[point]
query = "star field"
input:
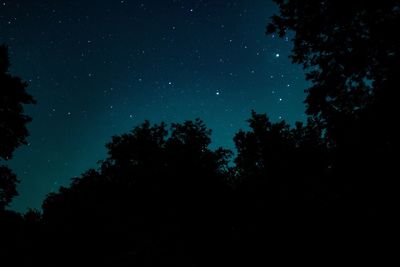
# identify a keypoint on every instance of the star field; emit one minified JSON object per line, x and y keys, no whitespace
{"x":98,"y":68}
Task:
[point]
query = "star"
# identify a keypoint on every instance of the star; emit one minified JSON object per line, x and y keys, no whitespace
{"x":114,"y":75}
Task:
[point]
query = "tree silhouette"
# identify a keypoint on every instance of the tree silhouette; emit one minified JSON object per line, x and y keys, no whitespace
{"x":159,"y":198}
{"x":13,"y":96}
{"x":13,"y":133}
{"x":8,"y":181}
{"x":351,"y":59}
{"x":281,"y":186}
{"x":351,"y":55}
{"x":13,"y":122}
{"x":275,"y":151}
{"x":163,"y":197}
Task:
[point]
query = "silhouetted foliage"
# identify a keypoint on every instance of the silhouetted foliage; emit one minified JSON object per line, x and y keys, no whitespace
{"x":158,"y":198}
{"x":274,"y":152}
{"x":13,"y":95}
{"x":13,"y":133}
{"x":8,"y":181}
{"x":351,"y":58}
{"x":13,"y":122}
{"x":163,"y":197}
{"x":351,"y":54}
{"x":281,"y":185}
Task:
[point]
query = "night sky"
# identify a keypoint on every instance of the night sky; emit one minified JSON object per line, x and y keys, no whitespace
{"x":99,"y":68}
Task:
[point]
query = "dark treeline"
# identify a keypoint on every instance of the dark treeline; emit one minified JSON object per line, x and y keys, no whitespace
{"x":162,"y":197}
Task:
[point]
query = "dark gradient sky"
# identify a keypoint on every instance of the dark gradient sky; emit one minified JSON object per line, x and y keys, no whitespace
{"x":98,"y":68}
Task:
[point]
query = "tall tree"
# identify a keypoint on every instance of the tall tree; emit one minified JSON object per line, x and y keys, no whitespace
{"x":351,"y":53}
{"x":13,"y":131}
{"x":13,"y":120}
{"x":281,"y":192}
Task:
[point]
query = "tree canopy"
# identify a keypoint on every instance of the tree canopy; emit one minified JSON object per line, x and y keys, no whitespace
{"x":160,"y":192}
{"x":163,"y":197}
{"x":350,"y":51}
